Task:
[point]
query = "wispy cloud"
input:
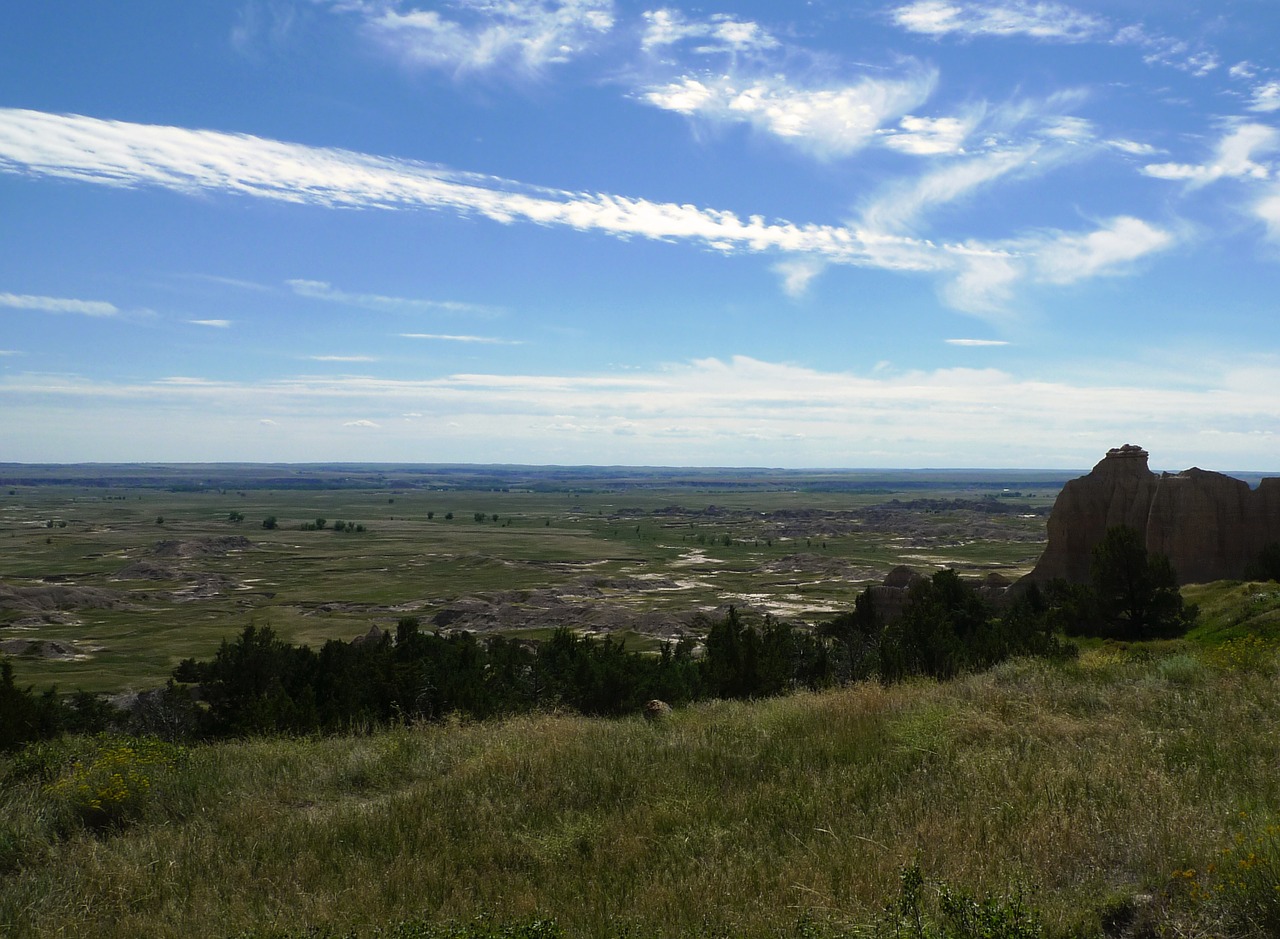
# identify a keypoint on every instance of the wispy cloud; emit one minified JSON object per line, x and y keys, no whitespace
{"x":1039,"y":20}
{"x":1266,"y":97}
{"x":739,"y":407}
{"x":830,"y":121}
{"x":904,"y":203}
{"x":342,"y":358}
{"x":58,"y":304}
{"x":122,"y":154}
{"x":4,"y":352}
{"x":216,"y":324}
{"x":322,"y":290}
{"x":483,"y":35}
{"x":929,"y":136}
{"x":485,"y":340}
{"x":1268,"y":210}
{"x":1068,"y":258}
{"x":720,"y":33}
{"x":258,"y":23}
{"x":975,"y":342}
{"x":1234,"y":157}
{"x":798,"y":273}
{"x":986,"y":275}
{"x":1132,"y":147}
{"x":1159,"y":49}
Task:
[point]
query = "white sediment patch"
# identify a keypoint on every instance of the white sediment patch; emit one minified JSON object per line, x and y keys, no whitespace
{"x":693,"y":557}
{"x":789,"y":604}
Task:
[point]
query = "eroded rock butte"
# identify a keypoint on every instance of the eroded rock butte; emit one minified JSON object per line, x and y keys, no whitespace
{"x":1210,"y":525}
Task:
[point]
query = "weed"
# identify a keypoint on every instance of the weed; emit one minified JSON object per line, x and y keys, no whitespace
{"x":954,"y":914}
{"x":112,"y":784}
{"x":1246,"y":654}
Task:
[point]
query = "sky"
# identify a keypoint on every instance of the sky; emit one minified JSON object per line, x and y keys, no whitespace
{"x":836,"y":233}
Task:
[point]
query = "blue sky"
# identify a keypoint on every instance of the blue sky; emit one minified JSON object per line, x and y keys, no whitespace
{"x":916,"y":233}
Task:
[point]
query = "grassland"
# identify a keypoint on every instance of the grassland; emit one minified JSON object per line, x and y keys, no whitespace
{"x":1130,"y":787}
{"x":635,"y":552}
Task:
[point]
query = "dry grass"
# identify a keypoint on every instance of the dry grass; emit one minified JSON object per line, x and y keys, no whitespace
{"x":1089,"y":783}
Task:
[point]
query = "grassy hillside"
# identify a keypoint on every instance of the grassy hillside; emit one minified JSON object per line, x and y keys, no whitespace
{"x":1125,"y":787}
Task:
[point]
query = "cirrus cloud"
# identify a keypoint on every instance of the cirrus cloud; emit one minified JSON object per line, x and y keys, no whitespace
{"x":122,"y":154}
{"x":18,"y":301}
{"x":1039,"y":20}
{"x":484,"y":35}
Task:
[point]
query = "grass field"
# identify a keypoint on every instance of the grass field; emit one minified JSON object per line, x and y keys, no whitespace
{"x":636,"y":552}
{"x":1131,"y":786}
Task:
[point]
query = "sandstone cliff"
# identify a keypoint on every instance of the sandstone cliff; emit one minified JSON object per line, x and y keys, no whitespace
{"x":1210,"y":525}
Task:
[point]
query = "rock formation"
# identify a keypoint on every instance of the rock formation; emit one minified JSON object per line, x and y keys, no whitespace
{"x":1211,"y":526}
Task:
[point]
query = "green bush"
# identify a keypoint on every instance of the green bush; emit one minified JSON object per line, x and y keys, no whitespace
{"x":945,"y":913}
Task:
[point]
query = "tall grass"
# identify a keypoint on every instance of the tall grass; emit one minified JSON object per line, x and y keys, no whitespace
{"x":1085,"y":785}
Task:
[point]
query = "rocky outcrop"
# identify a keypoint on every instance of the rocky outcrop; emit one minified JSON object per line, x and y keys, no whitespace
{"x":201,"y":547}
{"x":1210,"y":525}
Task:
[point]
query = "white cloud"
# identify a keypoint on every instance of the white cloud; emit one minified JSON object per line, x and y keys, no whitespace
{"x":486,"y":34}
{"x":1075,"y":130}
{"x":975,"y":342}
{"x":929,"y":136}
{"x":1038,"y":20}
{"x":827,"y":122}
{"x":1133,"y":147}
{"x":1201,"y":63}
{"x":322,"y":290}
{"x":709,"y":410}
{"x":1168,"y":51}
{"x":904,"y":203}
{"x":1110,"y":249}
{"x":1266,"y":97}
{"x":1234,"y":157}
{"x":798,"y":273}
{"x":122,"y":154}
{"x":667,"y":27}
{"x":341,"y":358}
{"x":439,"y":337}
{"x":58,"y":304}
{"x":982,"y":278}
{"x":1268,"y":210}
{"x":4,"y":352}
{"x":216,"y":324}
{"x":268,"y":422}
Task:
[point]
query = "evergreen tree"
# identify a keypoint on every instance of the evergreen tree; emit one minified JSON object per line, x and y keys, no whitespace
{"x":1136,"y":591}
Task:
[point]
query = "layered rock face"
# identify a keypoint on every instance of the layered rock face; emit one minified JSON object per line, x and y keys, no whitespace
{"x":1210,"y":525}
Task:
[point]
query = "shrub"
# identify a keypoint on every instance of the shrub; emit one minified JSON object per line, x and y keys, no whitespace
{"x":1247,"y":882}
{"x":1246,"y":654}
{"x":112,"y":783}
{"x":954,"y":914}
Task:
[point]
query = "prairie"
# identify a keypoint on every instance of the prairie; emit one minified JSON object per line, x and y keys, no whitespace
{"x":631,"y":552}
{"x":1132,"y":786}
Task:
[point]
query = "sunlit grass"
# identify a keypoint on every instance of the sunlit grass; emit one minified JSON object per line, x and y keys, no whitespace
{"x":1089,"y":784}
